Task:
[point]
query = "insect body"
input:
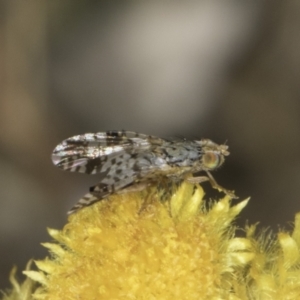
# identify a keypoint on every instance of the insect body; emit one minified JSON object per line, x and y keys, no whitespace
{"x":126,"y":158}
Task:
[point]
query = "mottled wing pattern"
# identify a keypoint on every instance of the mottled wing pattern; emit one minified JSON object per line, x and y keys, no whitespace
{"x":110,"y":154}
{"x":92,"y":153}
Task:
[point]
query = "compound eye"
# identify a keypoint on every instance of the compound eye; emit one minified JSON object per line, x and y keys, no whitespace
{"x":211,"y":160}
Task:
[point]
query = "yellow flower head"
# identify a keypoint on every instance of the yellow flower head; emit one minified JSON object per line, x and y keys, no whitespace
{"x":126,"y":248}
{"x":131,"y":248}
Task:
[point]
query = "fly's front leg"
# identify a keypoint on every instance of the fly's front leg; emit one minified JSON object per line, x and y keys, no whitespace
{"x":213,"y":183}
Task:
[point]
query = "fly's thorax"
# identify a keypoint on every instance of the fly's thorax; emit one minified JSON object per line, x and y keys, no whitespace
{"x":181,"y":153}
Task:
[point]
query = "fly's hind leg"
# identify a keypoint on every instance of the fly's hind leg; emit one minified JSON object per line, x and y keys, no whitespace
{"x":147,"y":204}
{"x":152,"y":193}
{"x":136,"y":187}
{"x":213,"y":183}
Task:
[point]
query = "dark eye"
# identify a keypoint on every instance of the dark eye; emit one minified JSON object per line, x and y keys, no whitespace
{"x":211,"y":160}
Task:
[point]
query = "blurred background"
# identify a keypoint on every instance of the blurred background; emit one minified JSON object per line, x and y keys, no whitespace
{"x":224,"y":70}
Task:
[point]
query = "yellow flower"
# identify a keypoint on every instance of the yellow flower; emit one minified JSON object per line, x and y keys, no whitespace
{"x":131,"y":248}
{"x":125,"y":248}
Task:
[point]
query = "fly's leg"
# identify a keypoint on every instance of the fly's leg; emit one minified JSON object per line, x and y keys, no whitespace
{"x":147,"y":204}
{"x":213,"y":183}
{"x":136,"y":187}
{"x":197,"y":179}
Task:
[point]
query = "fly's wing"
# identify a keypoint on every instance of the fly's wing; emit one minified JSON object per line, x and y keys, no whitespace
{"x":92,"y":153}
{"x":112,"y":155}
{"x":87,"y":200}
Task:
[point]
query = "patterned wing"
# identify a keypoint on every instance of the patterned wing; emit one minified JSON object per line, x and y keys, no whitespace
{"x":94,"y":153}
{"x":113,"y":155}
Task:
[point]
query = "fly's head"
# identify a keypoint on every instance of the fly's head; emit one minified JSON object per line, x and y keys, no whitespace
{"x":212,"y":154}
